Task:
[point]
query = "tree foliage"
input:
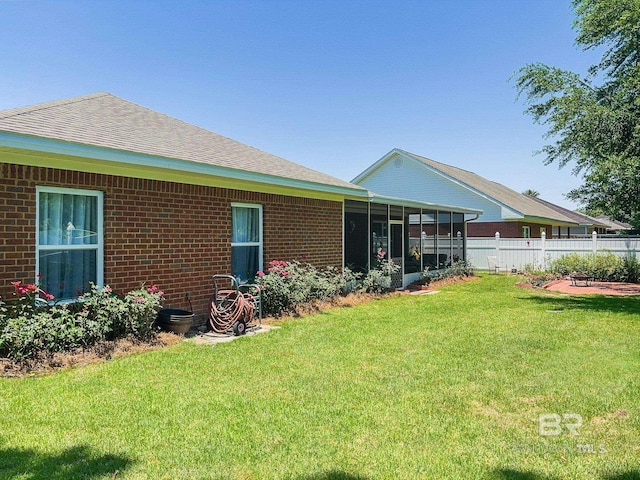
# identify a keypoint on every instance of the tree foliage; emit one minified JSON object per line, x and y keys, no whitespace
{"x":594,"y":121}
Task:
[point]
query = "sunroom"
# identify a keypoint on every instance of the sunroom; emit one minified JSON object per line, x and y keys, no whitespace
{"x":414,"y":235}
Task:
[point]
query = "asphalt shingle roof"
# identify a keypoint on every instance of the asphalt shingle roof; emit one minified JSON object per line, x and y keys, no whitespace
{"x":104,"y":120}
{"x":524,"y":204}
{"x":578,"y":217}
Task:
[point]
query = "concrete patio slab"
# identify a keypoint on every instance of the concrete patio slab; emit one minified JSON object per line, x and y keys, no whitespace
{"x":212,"y":338}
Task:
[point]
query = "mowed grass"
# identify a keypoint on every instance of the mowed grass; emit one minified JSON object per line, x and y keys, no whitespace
{"x":448,"y":386}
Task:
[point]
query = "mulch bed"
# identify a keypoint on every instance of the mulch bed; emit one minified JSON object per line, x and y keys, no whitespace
{"x":441,"y":283}
{"x":102,"y":351}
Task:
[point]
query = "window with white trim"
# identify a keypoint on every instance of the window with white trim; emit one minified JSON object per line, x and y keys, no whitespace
{"x":69,"y":240}
{"x":526,"y":232}
{"x":246,"y":240}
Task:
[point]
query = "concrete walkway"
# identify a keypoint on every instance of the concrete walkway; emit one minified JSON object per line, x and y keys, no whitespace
{"x":212,"y":338}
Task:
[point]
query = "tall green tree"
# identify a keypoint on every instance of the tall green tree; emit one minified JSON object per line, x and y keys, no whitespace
{"x":594,"y":121}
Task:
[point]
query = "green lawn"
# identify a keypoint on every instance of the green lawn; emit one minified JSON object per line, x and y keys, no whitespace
{"x":449,"y":385}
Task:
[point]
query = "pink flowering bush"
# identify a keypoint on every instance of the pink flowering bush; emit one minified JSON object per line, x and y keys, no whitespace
{"x":378,"y":280}
{"x":142,"y":307}
{"x":287,"y":284}
{"x":32,"y":322}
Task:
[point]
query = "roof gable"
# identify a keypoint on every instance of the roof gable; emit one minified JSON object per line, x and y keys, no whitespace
{"x":509,"y":200}
{"x":104,"y":120}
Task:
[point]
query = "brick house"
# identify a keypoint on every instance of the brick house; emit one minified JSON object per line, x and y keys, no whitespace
{"x":99,"y":189}
{"x":513,"y":214}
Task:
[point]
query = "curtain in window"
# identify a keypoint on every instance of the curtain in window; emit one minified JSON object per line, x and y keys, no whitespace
{"x":246,"y":225}
{"x":67,"y":219}
{"x":245,"y":242}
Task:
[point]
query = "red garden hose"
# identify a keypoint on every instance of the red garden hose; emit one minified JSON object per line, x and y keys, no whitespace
{"x":228,"y":307}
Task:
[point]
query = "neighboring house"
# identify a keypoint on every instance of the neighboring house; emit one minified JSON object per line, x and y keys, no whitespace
{"x":613,"y":226}
{"x":98,"y":189}
{"x":586,"y":224}
{"x":512,"y":214}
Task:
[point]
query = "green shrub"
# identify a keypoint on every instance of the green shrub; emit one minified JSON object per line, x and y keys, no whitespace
{"x":30,"y":325}
{"x":142,"y":306}
{"x":536,"y":277}
{"x":460,"y":268}
{"x":605,"y":267}
{"x":104,"y":311}
{"x":602,"y":266}
{"x":287,"y":284}
{"x":631,"y":269}
{"x":378,"y":280}
{"x":350,"y":280}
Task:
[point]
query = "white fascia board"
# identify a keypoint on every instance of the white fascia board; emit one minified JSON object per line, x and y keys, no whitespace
{"x":552,"y":221}
{"x":374,"y":166}
{"x":47,"y":145}
{"x":375,"y":198}
{"x":509,"y":214}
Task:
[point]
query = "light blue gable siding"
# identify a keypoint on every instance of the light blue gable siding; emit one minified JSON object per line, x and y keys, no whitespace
{"x":406,"y":178}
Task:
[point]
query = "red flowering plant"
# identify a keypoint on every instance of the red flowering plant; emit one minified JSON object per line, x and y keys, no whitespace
{"x":117,"y":315}
{"x":27,"y":298}
{"x":143,"y":305}
{"x":287,"y":284}
{"x":32,"y":323}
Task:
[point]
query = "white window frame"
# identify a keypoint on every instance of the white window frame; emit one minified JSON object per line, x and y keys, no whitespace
{"x":259,"y":243}
{"x":98,"y":247}
{"x":526,"y":231}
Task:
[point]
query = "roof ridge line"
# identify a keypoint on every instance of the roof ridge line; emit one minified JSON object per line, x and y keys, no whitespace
{"x":14,"y":112}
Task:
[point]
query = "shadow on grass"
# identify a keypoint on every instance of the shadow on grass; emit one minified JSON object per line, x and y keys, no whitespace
{"x":74,"y":463}
{"x":332,"y":475}
{"x":510,"y":474}
{"x":593,"y":303}
{"x":630,"y":475}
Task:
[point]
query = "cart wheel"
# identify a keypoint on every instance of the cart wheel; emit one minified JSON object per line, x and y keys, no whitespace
{"x":239,"y":328}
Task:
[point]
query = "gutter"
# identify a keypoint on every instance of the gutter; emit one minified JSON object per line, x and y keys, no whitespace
{"x":28,"y":143}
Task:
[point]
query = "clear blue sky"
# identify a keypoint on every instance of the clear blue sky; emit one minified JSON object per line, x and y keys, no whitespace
{"x":332,"y":85}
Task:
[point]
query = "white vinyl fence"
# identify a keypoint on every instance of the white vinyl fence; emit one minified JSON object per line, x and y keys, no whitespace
{"x":505,"y":254}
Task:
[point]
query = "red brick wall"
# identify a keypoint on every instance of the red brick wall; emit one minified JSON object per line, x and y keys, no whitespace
{"x":506,"y":229}
{"x":174,"y":235}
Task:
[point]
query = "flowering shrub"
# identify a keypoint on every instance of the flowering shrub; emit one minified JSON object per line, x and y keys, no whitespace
{"x":29,"y":298}
{"x":460,"y":268}
{"x":378,"y":280}
{"x":286,"y":284}
{"x":142,"y":306}
{"x":29,"y":325}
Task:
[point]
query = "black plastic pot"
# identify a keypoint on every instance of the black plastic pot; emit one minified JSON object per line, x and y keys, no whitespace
{"x":175,"y":320}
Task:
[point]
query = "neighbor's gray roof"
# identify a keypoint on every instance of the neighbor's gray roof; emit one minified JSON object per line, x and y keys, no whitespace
{"x":613,"y":224}
{"x":104,"y":120}
{"x":578,"y":217}
{"x":508,"y":197}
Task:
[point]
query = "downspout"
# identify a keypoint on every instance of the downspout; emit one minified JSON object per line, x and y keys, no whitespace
{"x":464,"y":246}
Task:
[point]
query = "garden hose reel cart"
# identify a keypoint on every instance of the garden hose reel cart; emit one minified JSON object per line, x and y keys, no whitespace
{"x":234,"y":308}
